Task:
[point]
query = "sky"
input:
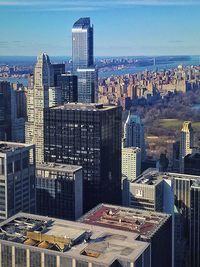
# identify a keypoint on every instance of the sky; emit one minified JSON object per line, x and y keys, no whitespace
{"x":122,"y":27}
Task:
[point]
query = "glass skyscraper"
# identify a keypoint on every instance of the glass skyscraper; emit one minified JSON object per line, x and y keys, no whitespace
{"x":82,"y":44}
{"x":83,"y":60}
{"x":88,"y":135}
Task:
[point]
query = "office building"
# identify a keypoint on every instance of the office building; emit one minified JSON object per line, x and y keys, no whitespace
{"x":58,"y":69}
{"x":134,"y":133}
{"x":82,"y":44}
{"x":59,"y":190}
{"x":152,"y":191}
{"x":186,"y":143}
{"x":17,"y":179}
{"x":87,"y":85}
{"x":88,"y":135}
{"x":68,"y":84}
{"x":192,"y":164}
{"x":37,"y":100}
{"x":194,"y":224}
{"x":150,"y":227}
{"x":5,"y":111}
{"x":20,"y":99}
{"x":165,"y":192}
{"x":2,"y":117}
{"x":83,"y":61}
{"x":131,"y":162}
{"x":44,"y":242}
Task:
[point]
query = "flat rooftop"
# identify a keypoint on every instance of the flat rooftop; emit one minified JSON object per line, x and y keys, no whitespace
{"x":6,"y":147}
{"x":149,"y":177}
{"x":51,"y":166}
{"x":74,"y":239}
{"x":141,"y":222}
{"x":154,"y":177}
{"x":84,"y":107}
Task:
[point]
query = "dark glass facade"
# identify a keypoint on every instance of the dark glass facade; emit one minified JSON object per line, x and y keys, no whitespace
{"x":194,"y":226}
{"x":192,"y":164}
{"x":5,"y":111}
{"x":58,"y":69}
{"x":69,"y":87}
{"x":57,"y":196}
{"x":88,"y":136}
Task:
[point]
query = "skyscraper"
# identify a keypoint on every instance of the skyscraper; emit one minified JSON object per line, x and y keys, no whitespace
{"x":134,"y":133}
{"x":82,"y":44}
{"x":69,"y":87}
{"x":37,"y":100}
{"x":88,"y":135}
{"x":5,"y":111}
{"x":87,"y":85}
{"x":59,"y":190}
{"x":186,"y":142}
{"x":17,"y":178}
{"x":83,"y":60}
{"x":194,"y":224}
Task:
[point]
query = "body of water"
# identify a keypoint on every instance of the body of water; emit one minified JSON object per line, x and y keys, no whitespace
{"x":193,"y":60}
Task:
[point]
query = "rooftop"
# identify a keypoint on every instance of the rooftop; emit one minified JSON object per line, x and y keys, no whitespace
{"x":74,"y":239}
{"x":141,"y":222}
{"x":82,"y":23}
{"x":84,"y":107}
{"x":154,"y":177}
{"x":6,"y":147}
{"x":51,"y":166}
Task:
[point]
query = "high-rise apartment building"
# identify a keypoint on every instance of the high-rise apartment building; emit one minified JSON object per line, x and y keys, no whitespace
{"x":88,"y":135}
{"x":134,"y":133}
{"x":82,"y":44}
{"x":37,"y":100}
{"x":35,"y":241}
{"x":186,"y":142}
{"x":17,"y":179}
{"x":59,"y":190}
{"x":131,"y":162}
{"x":194,"y":224}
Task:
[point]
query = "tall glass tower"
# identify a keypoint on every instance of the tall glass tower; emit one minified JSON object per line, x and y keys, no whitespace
{"x":83,"y":61}
{"x":82,"y":44}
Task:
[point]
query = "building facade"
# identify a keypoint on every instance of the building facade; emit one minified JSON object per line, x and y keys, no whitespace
{"x":37,"y":100}
{"x":194,"y":224}
{"x":131,"y":162}
{"x":186,"y":143}
{"x":59,"y":190}
{"x":82,"y":44}
{"x":134,"y":133}
{"x":88,"y":135}
{"x":87,"y":85}
{"x":69,"y":87}
{"x":17,"y":179}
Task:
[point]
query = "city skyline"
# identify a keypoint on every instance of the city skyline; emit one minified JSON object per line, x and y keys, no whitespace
{"x":145,"y":28}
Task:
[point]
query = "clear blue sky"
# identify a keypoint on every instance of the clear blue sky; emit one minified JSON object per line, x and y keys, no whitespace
{"x":122,"y":27}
